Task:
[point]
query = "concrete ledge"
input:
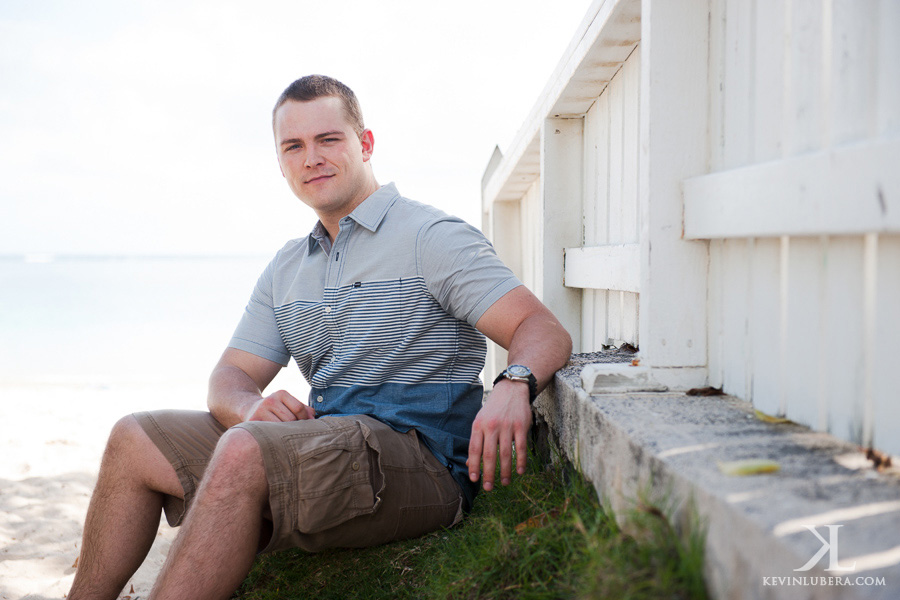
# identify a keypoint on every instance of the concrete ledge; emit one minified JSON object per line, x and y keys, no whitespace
{"x":664,"y":447}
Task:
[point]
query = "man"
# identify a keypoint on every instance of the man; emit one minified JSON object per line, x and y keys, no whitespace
{"x":381,"y":307}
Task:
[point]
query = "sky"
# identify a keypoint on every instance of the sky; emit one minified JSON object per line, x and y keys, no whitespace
{"x":144,"y":127}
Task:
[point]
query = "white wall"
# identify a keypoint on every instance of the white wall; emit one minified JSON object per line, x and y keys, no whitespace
{"x":804,"y":119}
{"x":738,"y":186}
{"x":610,"y":209}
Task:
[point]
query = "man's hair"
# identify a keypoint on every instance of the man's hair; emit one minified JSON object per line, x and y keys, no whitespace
{"x":311,"y":87}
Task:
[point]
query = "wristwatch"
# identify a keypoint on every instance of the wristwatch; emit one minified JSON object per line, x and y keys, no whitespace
{"x":523,"y":374}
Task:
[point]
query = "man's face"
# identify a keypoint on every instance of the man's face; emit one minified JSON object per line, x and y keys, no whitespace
{"x":322,"y":157}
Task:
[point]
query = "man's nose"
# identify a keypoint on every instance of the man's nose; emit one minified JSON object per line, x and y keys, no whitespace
{"x":313,"y":158}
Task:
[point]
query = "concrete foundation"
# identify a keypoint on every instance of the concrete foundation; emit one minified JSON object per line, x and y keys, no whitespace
{"x":762,"y":531}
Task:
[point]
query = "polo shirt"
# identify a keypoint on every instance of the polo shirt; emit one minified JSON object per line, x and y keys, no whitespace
{"x":382,"y":321}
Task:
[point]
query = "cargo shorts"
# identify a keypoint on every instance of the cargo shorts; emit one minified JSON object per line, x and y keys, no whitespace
{"x":334,"y":482}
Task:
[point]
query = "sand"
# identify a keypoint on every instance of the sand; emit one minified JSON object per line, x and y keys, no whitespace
{"x":52,"y":439}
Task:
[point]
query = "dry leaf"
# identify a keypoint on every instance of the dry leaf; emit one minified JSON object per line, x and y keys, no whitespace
{"x":881,"y":460}
{"x":754,"y":466}
{"x":705,"y":391}
{"x":635,"y":362}
{"x":536,"y":521}
{"x":769,"y":418}
{"x":75,"y":564}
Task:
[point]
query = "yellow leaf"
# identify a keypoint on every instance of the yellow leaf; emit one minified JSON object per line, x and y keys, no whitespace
{"x":769,"y":418}
{"x":755,"y":466}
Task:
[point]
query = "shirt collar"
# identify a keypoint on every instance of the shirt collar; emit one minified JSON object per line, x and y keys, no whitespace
{"x":369,"y":214}
{"x":319,"y":237}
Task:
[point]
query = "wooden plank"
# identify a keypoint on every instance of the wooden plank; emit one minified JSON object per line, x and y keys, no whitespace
{"x":850,"y":189}
{"x":843,"y":337}
{"x":870,"y":328}
{"x":768,"y":80}
{"x":674,"y":94}
{"x":716,"y":310}
{"x":562,"y":147}
{"x":596,"y":216}
{"x":630,"y":313}
{"x":735,"y":310}
{"x":738,"y":108}
{"x":886,"y":348}
{"x":764,"y":324}
{"x":887,"y":68}
{"x":616,"y":160}
{"x":532,"y":245}
{"x":601,"y":323}
{"x":805,"y":269}
{"x":506,"y":220}
{"x":716,"y":85}
{"x":805,"y":127}
{"x":852,"y":81}
{"x":596,"y":209}
{"x":610,"y":267}
{"x":588,"y":317}
{"x":592,"y":141}
{"x":631,"y":81}
{"x":614,"y":315}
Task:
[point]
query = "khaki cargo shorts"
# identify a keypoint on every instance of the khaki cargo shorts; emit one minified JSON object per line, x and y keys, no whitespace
{"x":334,"y":482}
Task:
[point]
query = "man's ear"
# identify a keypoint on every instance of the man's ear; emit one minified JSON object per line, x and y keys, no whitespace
{"x":368,"y":144}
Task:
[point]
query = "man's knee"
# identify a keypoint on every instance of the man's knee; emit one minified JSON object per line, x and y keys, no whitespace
{"x":132,"y":453}
{"x":127,"y":436}
{"x":238,"y":462}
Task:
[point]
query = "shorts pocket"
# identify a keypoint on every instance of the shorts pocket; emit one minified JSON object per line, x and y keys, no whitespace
{"x":333,"y":480}
{"x":415,"y":521}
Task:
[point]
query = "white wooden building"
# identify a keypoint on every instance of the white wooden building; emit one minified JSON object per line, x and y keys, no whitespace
{"x":718,"y":183}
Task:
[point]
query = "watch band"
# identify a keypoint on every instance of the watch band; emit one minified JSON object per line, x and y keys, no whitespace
{"x":530,"y":379}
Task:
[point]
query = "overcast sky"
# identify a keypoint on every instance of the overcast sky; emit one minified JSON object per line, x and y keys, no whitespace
{"x":143,"y":126}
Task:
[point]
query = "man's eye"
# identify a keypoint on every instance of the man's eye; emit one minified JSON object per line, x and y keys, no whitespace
{"x":293,"y":147}
{"x":330,"y":139}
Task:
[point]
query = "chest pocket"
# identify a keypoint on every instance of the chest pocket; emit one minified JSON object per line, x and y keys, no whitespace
{"x":373,"y":313}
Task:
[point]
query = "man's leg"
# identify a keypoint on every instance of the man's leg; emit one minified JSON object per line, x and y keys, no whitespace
{"x":220,"y":537}
{"x":123,"y":516}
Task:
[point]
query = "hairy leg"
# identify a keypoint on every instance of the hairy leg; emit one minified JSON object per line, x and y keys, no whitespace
{"x":217,"y":543}
{"x":123,"y":515}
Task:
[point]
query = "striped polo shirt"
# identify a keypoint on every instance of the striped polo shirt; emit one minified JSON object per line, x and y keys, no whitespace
{"x":382,"y":322}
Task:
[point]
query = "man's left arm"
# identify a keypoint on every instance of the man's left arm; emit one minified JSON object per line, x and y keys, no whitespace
{"x":519,"y":322}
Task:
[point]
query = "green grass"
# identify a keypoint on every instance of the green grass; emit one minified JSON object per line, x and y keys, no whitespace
{"x":544,"y":536}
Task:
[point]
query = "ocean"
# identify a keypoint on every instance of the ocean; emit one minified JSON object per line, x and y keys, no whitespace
{"x":104,"y":321}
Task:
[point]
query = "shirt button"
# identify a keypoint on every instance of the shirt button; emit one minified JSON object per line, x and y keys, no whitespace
{"x":328,"y":309}
{"x":319,"y":398}
{"x":355,"y":466}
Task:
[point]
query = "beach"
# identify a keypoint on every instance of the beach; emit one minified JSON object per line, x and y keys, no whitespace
{"x":53,"y":439}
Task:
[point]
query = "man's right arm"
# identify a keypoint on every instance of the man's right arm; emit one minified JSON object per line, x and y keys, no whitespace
{"x":235,"y":391}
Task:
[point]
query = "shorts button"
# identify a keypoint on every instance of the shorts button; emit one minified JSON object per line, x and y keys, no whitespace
{"x":319,"y":398}
{"x":355,"y":466}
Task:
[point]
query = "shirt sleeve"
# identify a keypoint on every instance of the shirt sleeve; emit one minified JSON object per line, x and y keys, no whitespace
{"x":461,"y":269}
{"x":257,"y":332}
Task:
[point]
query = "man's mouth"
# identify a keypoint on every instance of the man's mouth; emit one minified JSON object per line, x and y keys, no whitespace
{"x":318,"y":179}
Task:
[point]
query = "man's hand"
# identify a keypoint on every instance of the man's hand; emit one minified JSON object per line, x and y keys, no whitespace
{"x":503,"y":421}
{"x":280,"y":406}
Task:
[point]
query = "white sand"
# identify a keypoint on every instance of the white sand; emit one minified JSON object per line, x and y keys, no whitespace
{"x":52,"y":439}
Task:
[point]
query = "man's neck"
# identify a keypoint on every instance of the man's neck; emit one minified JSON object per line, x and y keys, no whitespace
{"x":332,"y":221}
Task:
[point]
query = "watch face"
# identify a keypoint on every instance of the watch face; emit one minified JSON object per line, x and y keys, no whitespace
{"x":518,"y":371}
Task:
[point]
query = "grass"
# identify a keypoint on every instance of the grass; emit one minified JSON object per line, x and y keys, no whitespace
{"x":544,"y":536}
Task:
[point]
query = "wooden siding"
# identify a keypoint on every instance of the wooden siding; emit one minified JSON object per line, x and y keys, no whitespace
{"x":802,"y":208}
{"x":611,"y":207}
